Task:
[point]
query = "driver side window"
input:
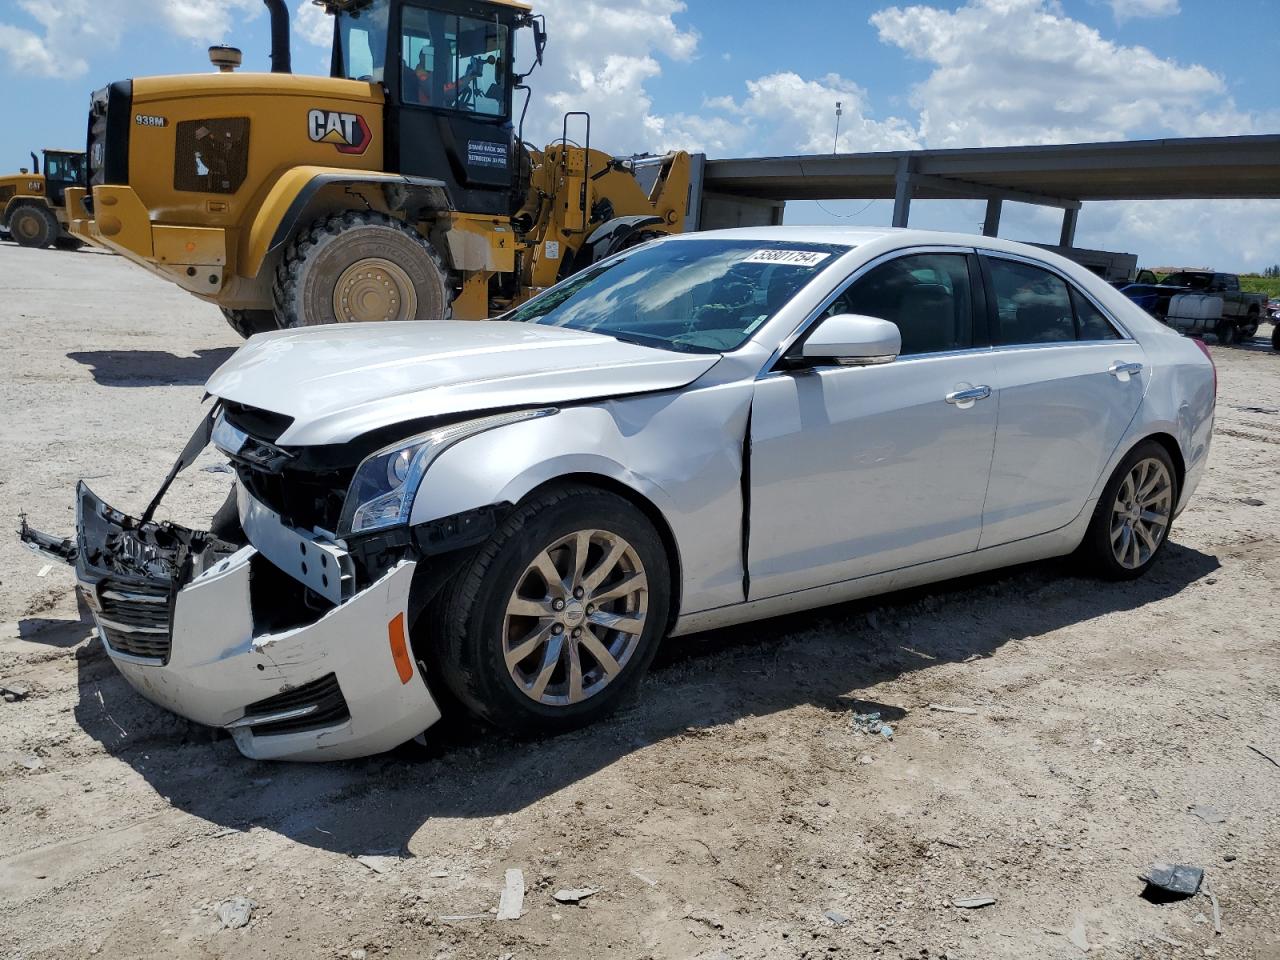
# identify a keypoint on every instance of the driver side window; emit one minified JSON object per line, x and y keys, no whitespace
{"x":926,"y":294}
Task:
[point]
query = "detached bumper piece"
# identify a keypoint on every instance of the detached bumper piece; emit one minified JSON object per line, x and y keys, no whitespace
{"x":198,"y":627}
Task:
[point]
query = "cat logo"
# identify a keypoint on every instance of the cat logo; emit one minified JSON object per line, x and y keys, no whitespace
{"x":348,"y":132}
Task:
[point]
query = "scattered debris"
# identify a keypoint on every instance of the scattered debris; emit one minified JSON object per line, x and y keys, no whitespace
{"x":438,"y":874}
{"x":1217,"y":911}
{"x":1171,"y":881}
{"x":357,"y":954}
{"x":378,"y":863}
{"x":44,"y":571}
{"x":1252,"y":502}
{"x":31,"y":762}
{"x":1207,"y":814}
{"x":872,"y":724}
{"x":970,"y":711}
{"x":1098,"y":746}
{"x":835,"y":918}
{"x":972,"y":903}
{"x":1078,"y":936}
{"x":701,"y":916}
{"x":465,"y":916}
{"x":866,"y":758}
{"x":950,"y":843}
{"x":235,"y":913}
{"x":512,"y":900}
{"x":218,"y":468}
{"x":644,"y":878}
{"x":1264,"y":756}
{"x":576,"y":895}
{"x":12,"y":692}
{"x":1169,"y":940}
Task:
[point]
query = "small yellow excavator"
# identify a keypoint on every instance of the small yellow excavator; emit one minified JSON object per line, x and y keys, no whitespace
{"x":396,"y":188}
{"x":33,"y":208}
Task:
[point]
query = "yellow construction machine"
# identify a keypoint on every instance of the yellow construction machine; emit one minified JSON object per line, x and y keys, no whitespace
{"x":33,"y":208}
{"x":396,"y":188}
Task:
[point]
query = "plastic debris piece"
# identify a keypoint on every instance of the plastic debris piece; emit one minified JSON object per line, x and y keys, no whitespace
{"x":236,"y":912}
{"x":835,"y":918}
{"x":1078,"y":936}
{"x":1217,"y":912}
{"x":1171,"y":881}
{"x":576,"y":895}
{"x":972,"y":903}
{"x":886,"y":731}
{"x":1207,"y":814}
{"x":378,"y":863}
{"x":512,"y":900}
{"x":940,"y":708}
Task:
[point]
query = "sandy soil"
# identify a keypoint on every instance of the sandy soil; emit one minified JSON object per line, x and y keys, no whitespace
{"x":723,"y":812}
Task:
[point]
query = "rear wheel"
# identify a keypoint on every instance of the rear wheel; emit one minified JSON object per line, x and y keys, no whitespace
{"x":1249,"y":329}
{"x":1131,"y":522}
{"x":360,"y":267}
{"x":1226,"y":332}
{"x":1275,"y":335}
{"x":248,"y":322}
{"x":33,"y":226}
{"x":558,"y":616}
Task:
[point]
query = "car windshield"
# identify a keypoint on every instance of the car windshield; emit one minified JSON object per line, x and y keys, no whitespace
{"x":1196,"y":281}
{"x":703,"y":295}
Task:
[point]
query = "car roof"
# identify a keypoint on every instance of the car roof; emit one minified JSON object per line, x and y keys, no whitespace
{"x":861,"y":236}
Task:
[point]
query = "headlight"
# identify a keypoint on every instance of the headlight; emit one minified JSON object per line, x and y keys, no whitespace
{"x":382,"y":492}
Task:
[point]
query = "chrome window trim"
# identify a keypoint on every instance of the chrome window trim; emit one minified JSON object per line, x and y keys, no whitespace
{"x":802,"y":328}
{"x":1071,"y":285}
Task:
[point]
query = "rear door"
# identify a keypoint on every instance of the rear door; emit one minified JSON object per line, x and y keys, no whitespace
{"x":1069,"y":381}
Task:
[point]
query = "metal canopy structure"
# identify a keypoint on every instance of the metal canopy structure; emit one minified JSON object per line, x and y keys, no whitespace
{"x":1062,"y":176}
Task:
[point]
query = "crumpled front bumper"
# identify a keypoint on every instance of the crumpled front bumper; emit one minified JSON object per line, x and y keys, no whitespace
{"x":176,"y":612}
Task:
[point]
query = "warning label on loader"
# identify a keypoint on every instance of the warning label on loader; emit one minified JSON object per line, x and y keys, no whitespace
{"x":486,"y":153}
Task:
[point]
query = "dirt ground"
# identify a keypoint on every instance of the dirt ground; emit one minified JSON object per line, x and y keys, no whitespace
{"x":730,"y":811}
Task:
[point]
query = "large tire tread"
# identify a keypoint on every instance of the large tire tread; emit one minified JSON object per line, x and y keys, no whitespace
{"x":47,"y":233}
{"x":248,"y":322}
{"x":287,"y":287}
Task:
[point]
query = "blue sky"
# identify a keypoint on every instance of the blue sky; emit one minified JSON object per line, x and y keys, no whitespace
{"x":754,"y":77}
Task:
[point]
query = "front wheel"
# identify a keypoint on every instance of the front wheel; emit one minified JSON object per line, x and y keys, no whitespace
{"x":558,"y":616}
{"x":34,"y":227}
{"x":1131,"y":523}
{"x":1249,"y":329}
{"x":360,"y":266}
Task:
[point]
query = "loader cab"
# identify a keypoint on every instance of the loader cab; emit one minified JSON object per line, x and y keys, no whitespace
{"x":62,"y":169}
{"x":447,"y":69}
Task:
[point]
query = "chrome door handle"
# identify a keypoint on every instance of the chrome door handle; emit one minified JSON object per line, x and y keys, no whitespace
{"x":970,"y":395}
{"x":1124,"y":370}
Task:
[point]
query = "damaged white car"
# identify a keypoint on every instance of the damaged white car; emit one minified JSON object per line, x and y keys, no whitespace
{"x":698,"y":432}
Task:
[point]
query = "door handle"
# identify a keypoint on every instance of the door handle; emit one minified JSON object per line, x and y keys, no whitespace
{"x":968,"y":396}
{"x":1123,"y":371}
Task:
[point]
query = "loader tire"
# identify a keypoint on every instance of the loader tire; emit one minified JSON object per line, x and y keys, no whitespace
{"x":33,"y":226}
{"x":248,"y":322}
{"x":360,"y":266}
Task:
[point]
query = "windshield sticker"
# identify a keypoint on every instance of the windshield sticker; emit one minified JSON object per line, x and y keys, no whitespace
{"x":791,"y":258}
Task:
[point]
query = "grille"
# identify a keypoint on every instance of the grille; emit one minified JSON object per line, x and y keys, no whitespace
{"x":135,"y":619}
{"x":211,"y":156}
{"x":324,"y":694}
{"x":262,"y":424}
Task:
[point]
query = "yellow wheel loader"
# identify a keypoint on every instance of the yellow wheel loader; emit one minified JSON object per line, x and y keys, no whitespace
{"x":33,"y":207}
{"x":396,"y":188}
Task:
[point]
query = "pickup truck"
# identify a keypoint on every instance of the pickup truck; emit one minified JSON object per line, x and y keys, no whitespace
{"x":1240,"y":315}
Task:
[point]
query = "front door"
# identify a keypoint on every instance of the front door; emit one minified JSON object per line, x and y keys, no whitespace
{"x":1070,"y":383}
{"x":860,"y":470}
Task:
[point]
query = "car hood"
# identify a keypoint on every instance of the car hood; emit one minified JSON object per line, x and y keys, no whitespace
{"x":337,"y":382}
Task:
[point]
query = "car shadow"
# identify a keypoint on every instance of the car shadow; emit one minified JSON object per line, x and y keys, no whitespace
{"x":821,"y":658}
{"x":147,"y":368}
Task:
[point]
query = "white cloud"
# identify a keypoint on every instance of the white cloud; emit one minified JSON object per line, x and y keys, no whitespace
{"x":1019,"y":71}
{"x":1135,"y":9}
{"x":66,"y":32}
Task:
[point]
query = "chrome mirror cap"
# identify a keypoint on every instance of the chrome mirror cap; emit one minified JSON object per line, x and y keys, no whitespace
{"x":852,"y":339}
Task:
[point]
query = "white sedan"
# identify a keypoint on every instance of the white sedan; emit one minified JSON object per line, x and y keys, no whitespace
{"x":700,"y":431}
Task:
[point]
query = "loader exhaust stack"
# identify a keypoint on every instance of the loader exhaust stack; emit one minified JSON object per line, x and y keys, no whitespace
{"x":281,"y":59}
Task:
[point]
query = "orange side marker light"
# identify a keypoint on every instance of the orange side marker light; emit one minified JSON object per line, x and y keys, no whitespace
{"x":399,"y":649}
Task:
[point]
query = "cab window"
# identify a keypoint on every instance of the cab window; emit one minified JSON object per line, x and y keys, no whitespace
{"x":927,"y":295}
{"x":1034,"y":305}
{"x":453,"y":62}
{"x":362,"y":40}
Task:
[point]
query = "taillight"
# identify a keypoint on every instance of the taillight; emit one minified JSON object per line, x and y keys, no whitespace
{"x":1209,"y":356}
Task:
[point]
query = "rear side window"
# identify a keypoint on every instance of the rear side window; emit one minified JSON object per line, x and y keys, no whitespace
{"x":927,"y":295}
{"x":1034,"y":305}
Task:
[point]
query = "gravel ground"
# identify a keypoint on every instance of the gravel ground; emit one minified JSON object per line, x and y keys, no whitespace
{"x":730,"y":811}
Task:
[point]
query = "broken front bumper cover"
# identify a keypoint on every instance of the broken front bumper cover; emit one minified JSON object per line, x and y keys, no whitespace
{"x":175,"y":609}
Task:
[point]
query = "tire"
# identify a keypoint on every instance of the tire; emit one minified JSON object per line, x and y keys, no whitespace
{"x":1249,"y":329}
{"x":385,"y":268}
{"x":1275,"y":335}
{"x":478,"y":617}
{"x":248,"y":322}
{"x":34,"y":227}
{"x":1103,"y":546}
{"x":1226,"y":332}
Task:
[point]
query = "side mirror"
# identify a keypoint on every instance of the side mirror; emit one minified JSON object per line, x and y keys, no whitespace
{"x":853,"y":340}
{"x":539,"y":38}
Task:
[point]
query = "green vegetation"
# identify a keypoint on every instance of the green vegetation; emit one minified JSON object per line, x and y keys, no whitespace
{"x":1255,"y":283}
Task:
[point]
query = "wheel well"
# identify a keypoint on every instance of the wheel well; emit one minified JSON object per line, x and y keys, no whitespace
{"x":1175,"y":454}
{"x":645,"y":506}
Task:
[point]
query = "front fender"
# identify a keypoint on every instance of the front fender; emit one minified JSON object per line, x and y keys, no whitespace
{"x":297,"y":198}
{"x":682,"y":453}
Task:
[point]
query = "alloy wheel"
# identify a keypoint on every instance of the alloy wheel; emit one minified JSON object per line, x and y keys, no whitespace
{"x":1141,"y":513}
{"x":575,"y":617}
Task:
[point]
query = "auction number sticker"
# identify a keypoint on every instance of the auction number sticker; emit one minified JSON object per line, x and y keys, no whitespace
{"x":791,"y":258}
